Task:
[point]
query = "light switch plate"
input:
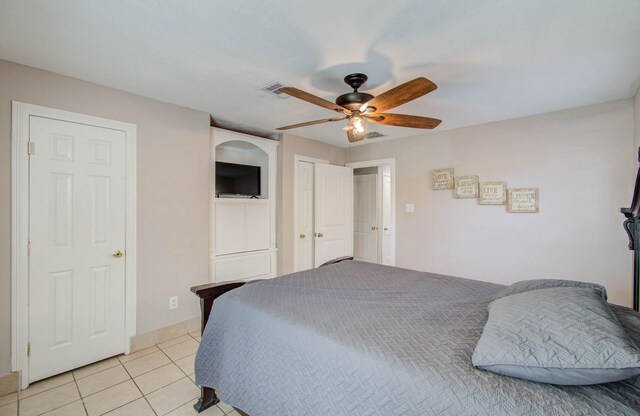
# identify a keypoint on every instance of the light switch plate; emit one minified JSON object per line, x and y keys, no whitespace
{"x":409,"y":208}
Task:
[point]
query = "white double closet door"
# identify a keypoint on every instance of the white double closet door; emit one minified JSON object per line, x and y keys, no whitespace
{"x":77,"y":235}
{"x":324,"y":214}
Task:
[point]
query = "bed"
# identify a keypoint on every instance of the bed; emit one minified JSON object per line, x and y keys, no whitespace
{"x":355,"y":338}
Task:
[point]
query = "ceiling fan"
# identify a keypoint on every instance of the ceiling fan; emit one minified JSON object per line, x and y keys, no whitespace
{"x":360,"y":107}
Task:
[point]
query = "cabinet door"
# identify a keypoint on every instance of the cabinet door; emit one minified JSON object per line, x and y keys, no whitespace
{"x":257,"y":226}
{"x":229,"y":227}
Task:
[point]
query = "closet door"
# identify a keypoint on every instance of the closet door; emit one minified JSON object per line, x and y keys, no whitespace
{"x":365,"y":218}
{"x":303,"y":259}
{"x":333,"y":212}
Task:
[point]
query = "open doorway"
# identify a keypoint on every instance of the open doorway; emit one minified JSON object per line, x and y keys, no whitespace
{"x":374,"y":211}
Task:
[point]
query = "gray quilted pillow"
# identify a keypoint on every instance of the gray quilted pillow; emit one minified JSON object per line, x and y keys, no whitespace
{"x":536,"y":284}
{"x":563,"y":335}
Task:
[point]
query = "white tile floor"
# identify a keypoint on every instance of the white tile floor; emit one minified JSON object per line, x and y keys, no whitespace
{"x":156,"y":381}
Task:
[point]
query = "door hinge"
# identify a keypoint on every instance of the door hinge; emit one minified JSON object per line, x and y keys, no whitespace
{"x":29,"y":147}
{"x":29,"y":349}
{"x":29,"y":248}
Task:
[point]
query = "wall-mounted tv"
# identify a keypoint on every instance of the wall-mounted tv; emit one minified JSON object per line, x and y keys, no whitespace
{"x":236,"y":179}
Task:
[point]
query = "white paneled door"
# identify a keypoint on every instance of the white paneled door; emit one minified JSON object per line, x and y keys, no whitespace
{"x":77,"y":234}
{"x":304,"y":194}
{"x":333,"y":212}
{"x":365,"y":218}
{"x":388,"y":240}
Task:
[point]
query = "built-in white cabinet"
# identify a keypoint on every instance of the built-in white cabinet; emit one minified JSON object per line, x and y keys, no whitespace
{"x":241,"y":226}
{"x":243,"y":231}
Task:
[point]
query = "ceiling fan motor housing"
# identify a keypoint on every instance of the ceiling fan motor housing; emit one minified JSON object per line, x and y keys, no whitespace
{"x":354,"y":100}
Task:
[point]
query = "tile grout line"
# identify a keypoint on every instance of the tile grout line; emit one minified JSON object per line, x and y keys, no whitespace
{"x":180,"y":368}
{"x":120,"y":363}
{"x":142,"y":356}
{"x":183,"y":372}
{"x":153,"y":391}
{"x":159,"y":350}
{"x":117,"y":384}
{"x":189,"y":376}
{"x":86,"y":412}
{"x":182,"y":403}
{"x":98,"y":391}
{"x":143,"y":395}
{"x":55,"y":408}
{"x":122,"y":405}
{"x":97,"y":372}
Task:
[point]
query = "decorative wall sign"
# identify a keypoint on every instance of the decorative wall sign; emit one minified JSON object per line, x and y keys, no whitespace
{"x":466,"y":187}
{"x":441,"y":179}
{"x":523,"y":200}
{"x":493,"y":193}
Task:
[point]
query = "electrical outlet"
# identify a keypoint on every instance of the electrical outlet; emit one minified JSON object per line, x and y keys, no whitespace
{"x":173,"y":302}
{"x":409,"y":208}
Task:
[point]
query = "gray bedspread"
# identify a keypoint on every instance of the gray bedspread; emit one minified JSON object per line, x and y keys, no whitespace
{"x":362,"y":339}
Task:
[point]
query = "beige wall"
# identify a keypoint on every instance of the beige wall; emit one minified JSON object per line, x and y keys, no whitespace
{"x":636,"y":117}
{"x":583,"y":161}
{"x":173,"y":189}
{"x":291,"y":145}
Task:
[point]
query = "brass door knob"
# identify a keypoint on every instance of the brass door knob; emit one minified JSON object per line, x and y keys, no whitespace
{"x":117,"y":254}
{"x":302,"y":235}
{"x":374,"y":228}
{"x":386,"y":228}
{"x":319,"y":234}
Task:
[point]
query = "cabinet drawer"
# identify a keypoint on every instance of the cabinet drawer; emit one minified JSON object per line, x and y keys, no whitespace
{"x":242,"y":267}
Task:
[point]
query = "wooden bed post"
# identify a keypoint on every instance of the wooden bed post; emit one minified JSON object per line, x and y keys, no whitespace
{"x":632,"y":227}
{"x":207,"y":294}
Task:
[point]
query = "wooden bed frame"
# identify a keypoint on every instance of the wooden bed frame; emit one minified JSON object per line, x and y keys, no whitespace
{"x":208,"y":293}
{"x":632,"y":226}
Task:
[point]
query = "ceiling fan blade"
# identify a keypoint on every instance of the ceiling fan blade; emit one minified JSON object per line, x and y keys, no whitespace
{"x":310,"y":98}
{"x":311,"y":123}
{"x":404,"y":120}
{"x":400,"y":94}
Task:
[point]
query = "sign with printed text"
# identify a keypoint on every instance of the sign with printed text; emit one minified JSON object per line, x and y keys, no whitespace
{"x":523,"y":200}
{"x":466,"y":187}
{"x":441,"y":179}
{"x":493,"y":193}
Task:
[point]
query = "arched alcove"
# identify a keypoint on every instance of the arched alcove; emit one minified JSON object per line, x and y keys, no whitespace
{"x":244,"y":153}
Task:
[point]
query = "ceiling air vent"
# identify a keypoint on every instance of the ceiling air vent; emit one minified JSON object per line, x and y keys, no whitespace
{"x":373,"y":135}
{"x":272,"y":89}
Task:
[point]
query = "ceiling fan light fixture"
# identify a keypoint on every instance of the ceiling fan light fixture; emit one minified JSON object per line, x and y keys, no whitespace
{"x":354,"y":136}
{"x":357,"y":124}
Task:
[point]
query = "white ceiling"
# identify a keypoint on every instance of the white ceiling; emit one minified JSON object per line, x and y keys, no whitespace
{"x":492,"y":59}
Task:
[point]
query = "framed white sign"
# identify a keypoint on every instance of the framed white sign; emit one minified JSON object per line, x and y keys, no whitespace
{"x":442,"y":179}
{"x":466,"y":187}
{"x":523,"y":200}
{"x":493,"y":193}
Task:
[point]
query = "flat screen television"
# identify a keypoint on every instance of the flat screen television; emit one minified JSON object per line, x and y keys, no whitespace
{"x":236,"y":179}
